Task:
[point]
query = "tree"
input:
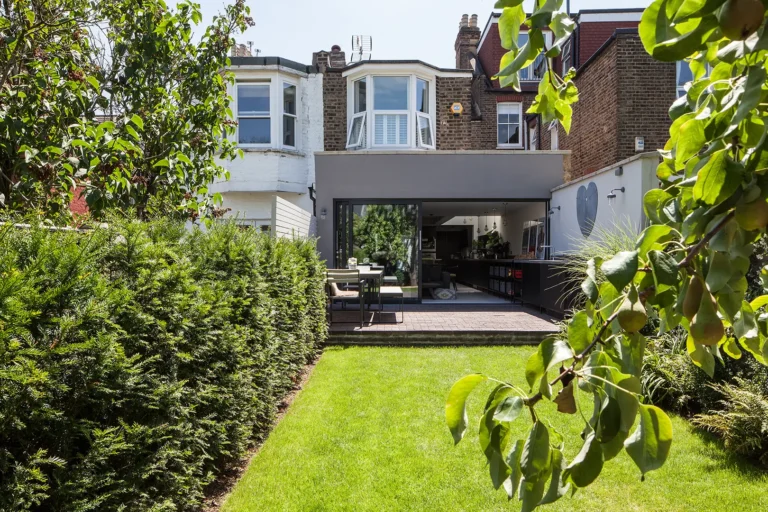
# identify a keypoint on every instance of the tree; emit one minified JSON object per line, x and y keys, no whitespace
{"x":117,"y":98}
{"x":688,"y":267}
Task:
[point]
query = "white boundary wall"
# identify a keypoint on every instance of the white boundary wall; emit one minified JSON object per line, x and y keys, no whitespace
{"x":638,"y":176}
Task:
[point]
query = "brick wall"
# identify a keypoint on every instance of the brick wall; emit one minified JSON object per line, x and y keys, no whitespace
{"x":484,"y":131}
{"x":593,"y":139}
{"x":334,"y":111}
{"x":593,"y":34}
{"x":453,"y":132}
{"x":646,"y":91}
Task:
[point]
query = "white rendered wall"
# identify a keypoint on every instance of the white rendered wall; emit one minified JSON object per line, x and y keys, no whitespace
{"x":264,"y":172}
{"x":638,"y":177}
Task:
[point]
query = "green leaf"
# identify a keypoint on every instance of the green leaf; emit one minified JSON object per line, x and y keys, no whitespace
{"x":745,"y":325}
{"x":652,"y":238}
{"x":715,"y":182}
{"x":531,"y":493}
{"x":535,"y":458}
{"x":516,"y":473}
{"x":162,"y":163}
{"x":759,"y":302}
{"x":701,"y":356}
{"x":455,"y":406}
{"x":587,"y":465}
{"x":589,"y":287}
{"x":649,"y":445}
{"x":498,"y":468}
{"x":509,"y":25}
{"x":693,"y":8}
{"x":720,"y":271}
{"x":665,"y":271}
{"x":579,"y":333}
{"x":137,"y":121}
{"x":550,"y":352}
{"x":653,"y":201}
{"x":690,"y":141}
{"x":509,"y":409}
{"x":610,"y":420}
{"x":557,"y":484}
{"x":682,"y":46}
{"x":621,"y":269}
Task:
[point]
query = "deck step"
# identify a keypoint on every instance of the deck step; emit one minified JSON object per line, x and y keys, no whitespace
{"x":437,"y":338}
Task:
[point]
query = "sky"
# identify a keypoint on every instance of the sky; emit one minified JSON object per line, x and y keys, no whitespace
{"x":401,"y":29}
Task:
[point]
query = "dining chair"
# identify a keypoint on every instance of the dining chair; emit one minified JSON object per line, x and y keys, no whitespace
{"x":347,"y":278}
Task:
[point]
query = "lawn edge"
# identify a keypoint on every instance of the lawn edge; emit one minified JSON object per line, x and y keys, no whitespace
{"x":217,"y":492}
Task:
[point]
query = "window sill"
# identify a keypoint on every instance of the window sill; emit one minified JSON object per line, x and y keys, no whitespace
{"x":509,"y":147}
{"x":282,"y":151}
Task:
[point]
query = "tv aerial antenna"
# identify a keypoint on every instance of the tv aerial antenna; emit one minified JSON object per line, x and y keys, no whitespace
{"x":361,"y":48}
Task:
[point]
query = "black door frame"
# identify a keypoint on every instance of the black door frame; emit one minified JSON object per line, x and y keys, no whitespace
{"x":420,"y":204}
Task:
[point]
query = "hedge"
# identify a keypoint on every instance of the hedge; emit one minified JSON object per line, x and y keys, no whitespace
{"x":138,"y":360}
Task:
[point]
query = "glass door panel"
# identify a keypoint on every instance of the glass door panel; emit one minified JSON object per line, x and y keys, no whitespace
{"x":388,"y":235}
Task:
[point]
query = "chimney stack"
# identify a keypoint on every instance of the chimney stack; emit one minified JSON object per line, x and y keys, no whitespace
{"x":240,"y":50}
{"x":333,"y":59}
{"x":466,"y":41}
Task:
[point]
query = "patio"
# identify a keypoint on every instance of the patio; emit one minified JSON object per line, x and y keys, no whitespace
{"x":444,"y":324}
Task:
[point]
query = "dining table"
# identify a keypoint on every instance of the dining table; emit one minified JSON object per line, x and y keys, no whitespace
{"x":373,"y":282}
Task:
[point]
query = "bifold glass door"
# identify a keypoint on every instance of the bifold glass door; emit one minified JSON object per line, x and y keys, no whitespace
{"x":381,"y":234}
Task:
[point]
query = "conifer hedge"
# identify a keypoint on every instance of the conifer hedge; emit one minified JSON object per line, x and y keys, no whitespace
{"x":138,"y":360}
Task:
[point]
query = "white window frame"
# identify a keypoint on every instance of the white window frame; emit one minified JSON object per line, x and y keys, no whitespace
{"x":554,"y":138}
{"x":412,"y":137}
{"x":255,"y":115}
{"x":359,"y":142}
{"x":532,"y":65}
{"x":419,"y":142}
{"x":567,"y":55}
{"x":296,"y":130}
{"x":410,"y":107}
{"x":519,"y":145}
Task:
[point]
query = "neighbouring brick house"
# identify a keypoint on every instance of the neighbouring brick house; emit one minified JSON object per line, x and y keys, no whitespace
{"x":623,"y":93}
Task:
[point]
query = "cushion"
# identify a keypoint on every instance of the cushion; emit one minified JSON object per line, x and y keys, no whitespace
{"x":443,"y":293}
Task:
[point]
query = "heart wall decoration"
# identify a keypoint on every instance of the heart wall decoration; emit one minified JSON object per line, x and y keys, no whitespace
{"x":586,"y":208}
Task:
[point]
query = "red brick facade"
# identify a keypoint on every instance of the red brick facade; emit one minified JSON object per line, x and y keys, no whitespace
{"x":593,"y":34}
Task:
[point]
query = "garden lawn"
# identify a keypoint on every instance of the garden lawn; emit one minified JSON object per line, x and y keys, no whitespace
{"x":368,"y":433}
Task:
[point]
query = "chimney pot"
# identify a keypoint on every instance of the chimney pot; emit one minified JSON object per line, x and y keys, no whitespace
{"x":335,"y":48}
{"x":464,"y":21}
{"x":473,"y":21}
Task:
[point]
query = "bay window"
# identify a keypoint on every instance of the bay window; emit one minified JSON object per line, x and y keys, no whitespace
{"x":509,"y":121}
{"x":390,"y":111}
{"x":253,"y":119}
{"x":289,"y":115}
{"x":266,"y":112}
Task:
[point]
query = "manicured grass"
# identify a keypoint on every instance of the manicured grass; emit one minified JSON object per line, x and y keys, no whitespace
{"x":368,"y":434}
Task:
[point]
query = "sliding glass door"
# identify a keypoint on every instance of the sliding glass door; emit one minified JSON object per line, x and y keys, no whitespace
{"x":384,"y":234}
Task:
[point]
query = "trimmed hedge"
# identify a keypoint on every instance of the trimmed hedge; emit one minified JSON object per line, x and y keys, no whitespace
{"x":136,"y":361}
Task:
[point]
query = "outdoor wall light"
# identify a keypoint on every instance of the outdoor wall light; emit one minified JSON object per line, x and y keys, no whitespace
{"x":612,"y":195}
{"x":323,"y":213}
{"x":552,"y":211}
{"x":619,"y":171}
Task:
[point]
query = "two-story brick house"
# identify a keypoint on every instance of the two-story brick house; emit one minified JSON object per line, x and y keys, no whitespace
{"x":445,"y":153}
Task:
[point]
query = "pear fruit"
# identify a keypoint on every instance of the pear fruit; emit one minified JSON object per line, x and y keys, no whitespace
{"x":632,"y":316}
{"x":739,"y":19}
{"x":752,"y":216}
{"x":692,"y":298}
{"x":706,"y":326}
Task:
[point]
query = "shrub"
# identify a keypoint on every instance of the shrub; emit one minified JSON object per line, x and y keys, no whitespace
{"x":137,"y":361}
{"x":742,"y":419}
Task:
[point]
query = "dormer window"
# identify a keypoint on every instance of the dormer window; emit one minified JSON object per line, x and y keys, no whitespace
{"x":392,"y":111}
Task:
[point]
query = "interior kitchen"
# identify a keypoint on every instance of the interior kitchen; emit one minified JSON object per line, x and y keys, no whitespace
{"x":487,"y":253}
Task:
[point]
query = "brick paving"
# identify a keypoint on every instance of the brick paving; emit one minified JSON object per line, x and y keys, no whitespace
{"x":455,"y":319}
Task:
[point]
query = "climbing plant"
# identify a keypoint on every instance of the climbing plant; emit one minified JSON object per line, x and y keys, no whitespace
{"x":688,"y":266}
